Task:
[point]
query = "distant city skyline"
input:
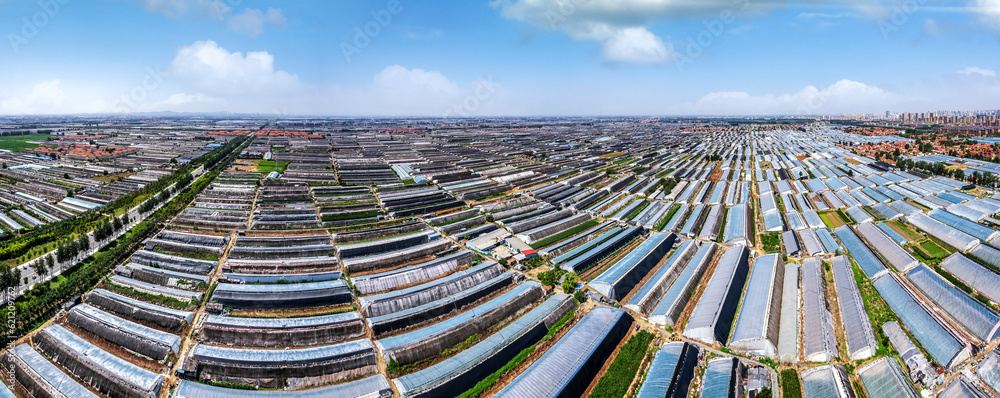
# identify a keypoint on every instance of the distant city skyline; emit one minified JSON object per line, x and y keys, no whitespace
{"x":500,"y":57}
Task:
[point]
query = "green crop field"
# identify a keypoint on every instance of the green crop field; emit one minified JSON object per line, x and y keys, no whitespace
{"x":18,"y":143}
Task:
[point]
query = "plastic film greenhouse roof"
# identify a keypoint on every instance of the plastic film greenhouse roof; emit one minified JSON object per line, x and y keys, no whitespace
{"x":939,"y":343}
{"x":459,"y":319}
{"x":121,"y":368}
{"x":186,"y":315}
{"x":719,"y":378}
{"x":974,"y":275}
{"x":455,"y":366}
{"x":665,"y":371}
{"x":760,"y":311}
{"x":971,"y":313}
{"x":623,"y":266}
{"x":715,"y":302}
{"x":788,"y":333}
{"x":956,"y":238}
{"x":249,"y":356}
{"x":51,"y":374}
{"x":961,"y":387}
{"x":671,"y":303}
{"x":163,"y":338}
{"x":884,"y":378}
{"x":860,"y":252}
{"x":283,"y":323}
{"x":549,"y":375}
{"x":989,"y":371}
{"x":372,"y":386}
{"x":857,"y":327}
{"x":819,"y":340}
{"x":829,"y":381}
{"x":677,"y":260}
{"x":736,"y":225}
{"x":898,"y":258}
{"x":979,"y":231}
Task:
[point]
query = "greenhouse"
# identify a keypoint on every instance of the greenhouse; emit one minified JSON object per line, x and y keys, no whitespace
{"x":652,"y":291}
{"x":978,"y":277}
{"x":921,"y":370}
{"x":569,"y":366}
{"x":860,"y":252}
{"x":370,"y":387}
{"x":417,"y":273}
{"x":414,"y":296}
{"x":436,"y":309}
{"x":860,"y":337}
{"x":462,"y":371}
{"x":828,"y":381}
{"x":759,"y":319}
{"x":424,"y":343}
{"x":671,"y":371}
{"x":104,"y":372}
{"x":622,"y":276}
{"x":712,"y":318}
{"x":41,"y":378}
{"x":979,"y":231}
{"x":597,"y":253}
{"x":893,"y":254}
{"x":989,"y":371}
{"x":132,"y":336}
{"x":281,"y":332}
{"x":737,"y":229}
{"x":723,"y":378}
{"x":293,"y":295}
{"x":962,"y":387}
{"x":884,"y":378}
{"x":140,"y":311}
{"x":943,"y":346}
{"x":859,"y":215}
{"x":972,"y":314}
{"x":819,"y":342}
{"x":676,"y":298}
{"x":788,"y":332}
{"x":289,"y":368}
{"x":954,"y":237}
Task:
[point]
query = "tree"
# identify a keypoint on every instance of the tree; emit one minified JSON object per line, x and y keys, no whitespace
{"x":83,"y":243}
{"x":69,"y":193}
{"x":548,"y":278}
{"x":959,"y":175}
{"x":569,"y":282}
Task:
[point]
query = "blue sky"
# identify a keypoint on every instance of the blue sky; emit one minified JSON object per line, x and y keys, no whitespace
{"x":499,"y":57}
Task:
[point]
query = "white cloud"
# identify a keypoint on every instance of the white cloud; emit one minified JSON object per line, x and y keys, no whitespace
{"x":988,"y":11}
{"x":622,"y":26}
{"x":636,"y":46}
{"x":210,"y":9}
{"x":975,"y":70}
{"x":44,"y":98}
{"x":252,"y":21}
{"x":216,"y":71}
{"x":181,"y":102}
{"x":844,"y":96}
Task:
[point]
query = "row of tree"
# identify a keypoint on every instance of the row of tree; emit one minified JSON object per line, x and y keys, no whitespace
{"x":40,"y":303}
